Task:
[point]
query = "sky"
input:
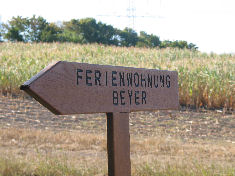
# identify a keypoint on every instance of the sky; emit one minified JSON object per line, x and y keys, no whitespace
{"x":210,"y":24}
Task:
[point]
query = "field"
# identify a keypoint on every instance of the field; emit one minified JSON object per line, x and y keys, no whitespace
{"x":33,"y":141}
{"x":204,"y":80}
{"x":197,"y":140}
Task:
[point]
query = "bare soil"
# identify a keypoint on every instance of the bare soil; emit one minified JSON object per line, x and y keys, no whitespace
{"x":187,"y":124}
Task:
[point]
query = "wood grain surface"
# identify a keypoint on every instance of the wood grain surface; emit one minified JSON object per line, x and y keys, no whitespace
{"x":79,"y":88}
{"x":118,"y":144}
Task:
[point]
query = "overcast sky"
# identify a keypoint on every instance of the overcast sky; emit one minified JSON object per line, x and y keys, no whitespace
{"x":210,"y":24}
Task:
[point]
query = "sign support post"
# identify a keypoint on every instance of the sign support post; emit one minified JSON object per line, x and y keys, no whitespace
{"x":118,"y":144}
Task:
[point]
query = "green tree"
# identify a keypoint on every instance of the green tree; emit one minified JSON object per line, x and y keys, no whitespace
{"x":192,"y":46}
{"x":165,"y":44}
{"x":107,"y":34}
{"x":146,"y":40}
{"x":179,"y":44}
{"x":72,"y":32}
{"x":128,"y":37}
{"x":14,"y":30}
{"x":35,"y":28}
{"x":154,"y":40}
{"x":89,"y":29}
{"x":51,"y":33}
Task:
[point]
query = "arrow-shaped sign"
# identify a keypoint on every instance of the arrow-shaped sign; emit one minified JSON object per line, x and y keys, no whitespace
{"x":75,"y":88}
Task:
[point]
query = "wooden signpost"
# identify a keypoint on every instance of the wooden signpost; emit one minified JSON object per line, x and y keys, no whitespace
{"x":78,"y":88}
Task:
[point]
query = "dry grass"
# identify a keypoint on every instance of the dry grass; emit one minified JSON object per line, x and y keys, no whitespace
{"x":35,"y":142}
{"x":42,"y":152}
{"x":45,"y":152}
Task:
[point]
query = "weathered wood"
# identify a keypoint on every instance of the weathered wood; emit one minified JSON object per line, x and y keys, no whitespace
{"x":118,"y":144}
{"x":75,"y":88}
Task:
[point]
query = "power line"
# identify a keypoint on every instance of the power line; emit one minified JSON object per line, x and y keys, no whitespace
{"x":126,"y":16}
{"x":131,"y":13}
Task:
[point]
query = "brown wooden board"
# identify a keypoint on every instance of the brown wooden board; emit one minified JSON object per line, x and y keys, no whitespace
{"x":118,"y":144}
{"x":75,"y":88}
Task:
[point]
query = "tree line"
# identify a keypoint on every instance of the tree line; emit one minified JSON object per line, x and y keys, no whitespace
{"x":87,"y":30}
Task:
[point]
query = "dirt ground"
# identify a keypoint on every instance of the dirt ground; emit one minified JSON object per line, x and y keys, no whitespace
{"x":186,"y":124}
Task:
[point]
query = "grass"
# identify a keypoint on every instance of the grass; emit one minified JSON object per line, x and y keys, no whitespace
{"x":31,"y":152}
{"x":205,"y":80}
{"x":43,"y":167}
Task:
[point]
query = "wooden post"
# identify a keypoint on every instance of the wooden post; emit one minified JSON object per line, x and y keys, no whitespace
{"x":118,"y":144}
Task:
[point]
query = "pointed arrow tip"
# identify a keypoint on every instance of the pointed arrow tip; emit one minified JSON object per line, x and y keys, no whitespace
{"x":24,"y":87}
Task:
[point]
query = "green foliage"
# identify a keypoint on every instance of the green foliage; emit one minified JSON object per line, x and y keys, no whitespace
{"x":51,"y":33}
{"x":128,"y":37}
{"x":107,"y":34}
{"x":84,"y":31}
{"x":72,"y":32}
{"x":15,"y":29}
{"x":192,"y":46}
{"x":34,"y":28}
{"x":149,"y":41}
{"x":89,"y":29}
{"x":178,"y":44}
{"x":30,"y":30}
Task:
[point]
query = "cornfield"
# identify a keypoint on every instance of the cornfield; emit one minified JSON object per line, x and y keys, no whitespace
{"x":205,"y":80}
